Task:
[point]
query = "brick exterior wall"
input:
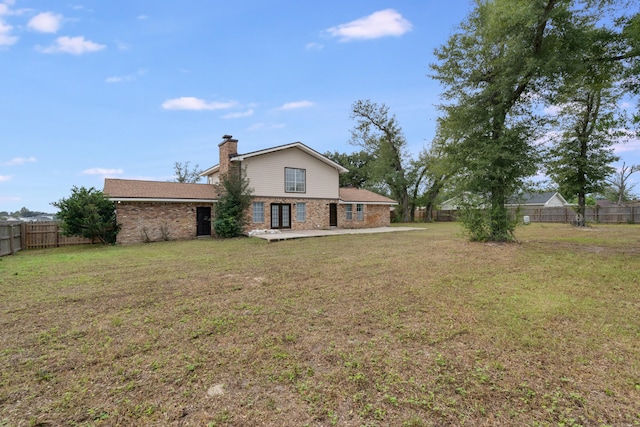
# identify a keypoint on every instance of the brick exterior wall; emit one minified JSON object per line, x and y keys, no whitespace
{"x":143,"y":222}
{"x":156,"y":221}
{"x":374,"y":216}
{"x":317,"y":217}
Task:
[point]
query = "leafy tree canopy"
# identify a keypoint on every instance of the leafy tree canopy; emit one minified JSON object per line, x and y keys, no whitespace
{"x":88,"y":213}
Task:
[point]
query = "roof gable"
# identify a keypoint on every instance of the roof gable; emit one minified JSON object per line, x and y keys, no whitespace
{"x":298,"y":145}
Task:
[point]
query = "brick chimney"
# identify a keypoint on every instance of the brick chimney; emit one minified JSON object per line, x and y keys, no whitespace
{"x":228,"y":149}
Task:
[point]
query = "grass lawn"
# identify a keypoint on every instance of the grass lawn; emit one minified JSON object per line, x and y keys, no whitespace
{"x":419,"y":328}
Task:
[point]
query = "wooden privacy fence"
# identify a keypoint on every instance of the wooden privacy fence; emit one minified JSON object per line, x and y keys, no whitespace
{"x":603,"y":215}
{"x":34,"y":235}
{"x":10,"y":238}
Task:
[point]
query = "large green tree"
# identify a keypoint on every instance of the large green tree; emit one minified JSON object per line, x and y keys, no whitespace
{"x":88,"y":213}
{"x":590,"y":119}
{"x":379,"y":134}
{"x":359,"y":166}
{"x":494,"y":69}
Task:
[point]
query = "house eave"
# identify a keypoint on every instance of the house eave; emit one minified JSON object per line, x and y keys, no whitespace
{"x":299,"y":145}
{"x":158,"y":199}
{"x":351,"y":202}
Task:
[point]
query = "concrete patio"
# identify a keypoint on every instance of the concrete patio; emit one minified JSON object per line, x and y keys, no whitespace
{"x":301,"y":234}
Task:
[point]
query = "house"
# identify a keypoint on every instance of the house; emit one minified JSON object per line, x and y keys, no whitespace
{"x":293,"y":187}
{"x":549,"y":199}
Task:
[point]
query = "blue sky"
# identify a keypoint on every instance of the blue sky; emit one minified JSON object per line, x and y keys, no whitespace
{"x":94,"y":89}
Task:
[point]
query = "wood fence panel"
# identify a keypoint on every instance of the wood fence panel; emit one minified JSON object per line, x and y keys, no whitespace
{"x":47,"y":234}
{"x":34,"y":235}
{"x":595,"y":214}
{"x":10,"y":238}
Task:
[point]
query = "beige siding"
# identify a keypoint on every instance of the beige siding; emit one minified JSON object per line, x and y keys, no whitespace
{"x":555,"y":202}
{"x":266,"y":175}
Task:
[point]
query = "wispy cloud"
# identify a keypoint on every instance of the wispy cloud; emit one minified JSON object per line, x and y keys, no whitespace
{"x":295,"y":105}
{"x":73,"y":45}
{"x":142,"y":17}
{"x":631,"y":145}
{"x":379,"y":24}
{"x":5,"y":178}
{"x":46,"y":22}
{"x":102,"y":172}
{"x":239,"y":114}
{"x":6,"y":38}
{"x":195,"y":104}
{"x":314,"y":46}
{"x":20,"y":161}
{"x":265,"y":126}
{"x":127,"y":78}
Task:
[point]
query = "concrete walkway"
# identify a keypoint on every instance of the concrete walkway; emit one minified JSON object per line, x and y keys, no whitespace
{"x":301,"y":234}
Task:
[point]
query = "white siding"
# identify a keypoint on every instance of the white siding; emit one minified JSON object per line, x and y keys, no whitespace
{"x":266,"y":174}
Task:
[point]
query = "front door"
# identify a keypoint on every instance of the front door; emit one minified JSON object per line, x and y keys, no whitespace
{"x":280,"y":215}
{"x":333,"y":215}
{"x":203,"y":219}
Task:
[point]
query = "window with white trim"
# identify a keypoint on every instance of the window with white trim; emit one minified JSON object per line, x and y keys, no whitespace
{"x":348,"y":211}
{"x":258,"y":212}
{"x":295,"y":180}
{"x":359,"y":212}
{"x":301,"y":212}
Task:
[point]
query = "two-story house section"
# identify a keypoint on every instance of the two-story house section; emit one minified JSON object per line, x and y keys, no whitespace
{"x":293,"y":187}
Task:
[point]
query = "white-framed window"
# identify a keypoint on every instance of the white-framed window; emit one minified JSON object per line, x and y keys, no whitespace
{"x":258,"y":212}
{"x":301,"y":212}
{"x":295,"y":180}
{"x":348,"y":211}
{"x":359,"y":212}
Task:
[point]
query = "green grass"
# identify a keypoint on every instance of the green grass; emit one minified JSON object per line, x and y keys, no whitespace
{"x":418,"y":328}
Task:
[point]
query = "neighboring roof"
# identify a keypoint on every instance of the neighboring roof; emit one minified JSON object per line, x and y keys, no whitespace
{"x":537,"y":198}
{"x":359,"y":195}
{"x":136,"y":190}
{"x":299,"y":145}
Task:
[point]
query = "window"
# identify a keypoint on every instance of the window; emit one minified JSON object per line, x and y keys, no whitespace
{"x":294,"y":180}
{"x":348,"y":209}
{"x":359,"y":212}
{"x":301,"y":212}
{"x":258,"y":212}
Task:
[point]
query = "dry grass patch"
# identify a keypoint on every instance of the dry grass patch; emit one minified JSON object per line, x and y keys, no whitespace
{"x":412,"y":329}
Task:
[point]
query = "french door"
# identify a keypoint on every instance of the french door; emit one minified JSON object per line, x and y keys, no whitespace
{"x":280,"y":215}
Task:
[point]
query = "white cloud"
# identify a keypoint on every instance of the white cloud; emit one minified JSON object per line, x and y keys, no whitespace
{"x":631,"y":145}
{"x":265,"y":126}
{"x":383,"y":23}
{"x":126,"y":78}
{"x":6,"y":39}
{"x":20,"y":161}
{"x":5,"y":178}
{"x":295,"y":105}
{"x":195,"y":104}
{"x":46,"y":22}
{"x":142,"y":17}
{"x":239,"y":114}
{"x":314,"y":46}
{"x":73,"y":45}
{"x":102,"y":172}
{"x":4,"y":8}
